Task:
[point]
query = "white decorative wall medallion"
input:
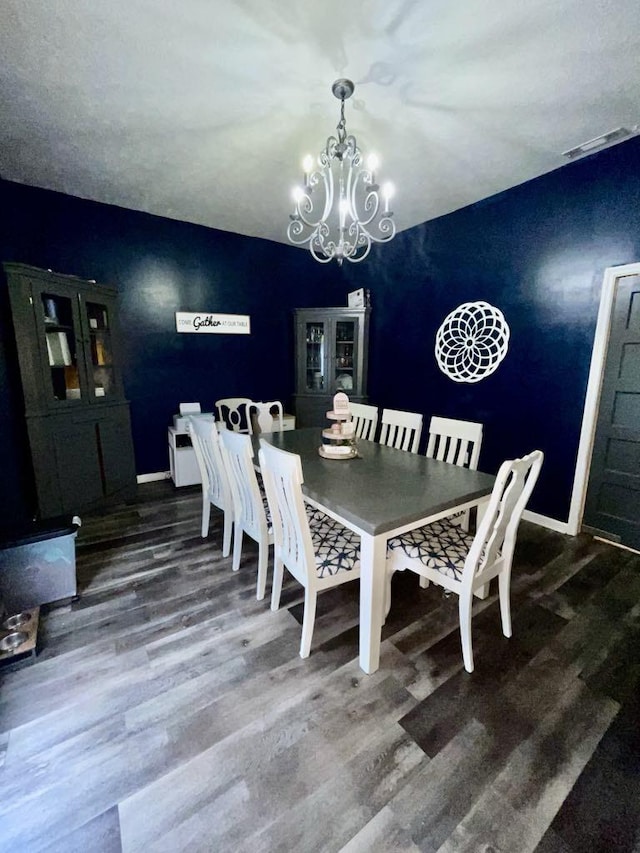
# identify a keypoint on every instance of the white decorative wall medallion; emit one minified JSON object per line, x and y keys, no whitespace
{"x":472,"y":341}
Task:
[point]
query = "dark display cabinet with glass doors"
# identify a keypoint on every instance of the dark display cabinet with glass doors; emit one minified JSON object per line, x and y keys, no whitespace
{"x":331,"y":355}
{"x":76,"y":416}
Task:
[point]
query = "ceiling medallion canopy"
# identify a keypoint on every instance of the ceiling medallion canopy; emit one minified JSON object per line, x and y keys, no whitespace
{"x":338,"y":211}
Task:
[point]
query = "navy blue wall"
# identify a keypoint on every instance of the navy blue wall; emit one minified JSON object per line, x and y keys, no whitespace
{"x":538,"y":252}
{"x":159,"y":266}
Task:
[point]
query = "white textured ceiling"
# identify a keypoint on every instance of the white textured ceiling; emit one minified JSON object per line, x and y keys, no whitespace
{"x":201,"y":110}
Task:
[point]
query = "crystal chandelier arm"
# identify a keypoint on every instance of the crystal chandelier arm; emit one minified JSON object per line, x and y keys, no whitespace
{"x":384,"y":225}
{"x":351,"y":191}
{"x":327,"y":175}
{"x":361,"y":240}
{"x":296,"y":231}
{"x":387,"y":228}
{"x":302,"y":227}
{"x":371,"y":201}
{"x":321,"y":252}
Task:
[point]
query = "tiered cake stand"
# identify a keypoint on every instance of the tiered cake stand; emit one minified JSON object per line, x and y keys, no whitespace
{"x":340,"y":442}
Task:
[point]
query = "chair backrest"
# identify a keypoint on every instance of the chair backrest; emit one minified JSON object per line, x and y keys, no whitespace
{"x":233,"y":412}
{"x":266,"y":417}
{"x":282,"y":477}
{"x":401,"y":430}
{"x":496,"y":536}
{"x":455,"y":441}
{"x":206,"y":444}
{"x":365,"y":419}
{"x":237,"y":452}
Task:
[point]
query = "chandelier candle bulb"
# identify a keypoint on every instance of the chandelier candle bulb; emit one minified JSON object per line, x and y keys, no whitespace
{"x":373,"y":164}
{"x":307,"y":166}
{"x":297,"y":193}
{"x":387,"y":192}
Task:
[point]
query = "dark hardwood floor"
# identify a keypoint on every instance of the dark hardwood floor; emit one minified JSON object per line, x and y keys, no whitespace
{"x":168,"y":710}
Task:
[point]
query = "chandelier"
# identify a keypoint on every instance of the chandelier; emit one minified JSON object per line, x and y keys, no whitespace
{"x":338,"y":212}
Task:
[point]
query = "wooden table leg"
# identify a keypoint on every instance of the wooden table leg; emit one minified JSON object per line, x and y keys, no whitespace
{"x":373,"y":552}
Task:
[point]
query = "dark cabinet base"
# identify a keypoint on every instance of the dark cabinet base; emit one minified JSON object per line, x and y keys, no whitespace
{"x":82,"y":460}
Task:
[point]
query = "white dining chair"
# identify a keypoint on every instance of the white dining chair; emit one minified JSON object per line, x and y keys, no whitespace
{"x":457,"y":442}
{"x":365,"y":419}
{"x":233,"y":412}
{"x":401,"y":430}
{"x":266,"y":417}
{"x":251,"y":515}
{"x":444,"y":553}
{"x":216,"y":489}
{"x":320,"y":554}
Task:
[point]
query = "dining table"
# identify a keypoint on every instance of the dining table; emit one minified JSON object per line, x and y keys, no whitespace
{"x":379,"y":494}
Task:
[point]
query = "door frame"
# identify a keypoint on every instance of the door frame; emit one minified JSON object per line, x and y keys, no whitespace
{"x":594,"y":391}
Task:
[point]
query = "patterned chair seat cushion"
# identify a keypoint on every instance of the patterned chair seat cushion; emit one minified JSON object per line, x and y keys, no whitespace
{"x":267,"y":511}
{"x":311,"y":512}
{"x":442,"y":546}
{"x":337,"y":549}
{"x":457,"y":516}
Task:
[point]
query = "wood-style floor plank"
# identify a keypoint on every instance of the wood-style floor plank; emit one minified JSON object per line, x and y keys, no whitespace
{"x":169,"y":710}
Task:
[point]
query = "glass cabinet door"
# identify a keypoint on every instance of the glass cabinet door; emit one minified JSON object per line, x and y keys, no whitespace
{"x":316,"y":357}
{"x":62,"y":345}
{"x":344,"y":358}
{"x":100,"y":369}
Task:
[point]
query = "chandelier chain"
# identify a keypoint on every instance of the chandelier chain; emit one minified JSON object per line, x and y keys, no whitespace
{"x":342,"y":124}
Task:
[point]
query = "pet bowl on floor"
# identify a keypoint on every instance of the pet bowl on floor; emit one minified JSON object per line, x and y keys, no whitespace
{"x":18,"y":636}
{"x":16,"y":621}
{"x":13,"y":640}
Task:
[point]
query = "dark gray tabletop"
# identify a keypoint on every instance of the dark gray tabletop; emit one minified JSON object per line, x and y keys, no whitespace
{"x":383,"y":488}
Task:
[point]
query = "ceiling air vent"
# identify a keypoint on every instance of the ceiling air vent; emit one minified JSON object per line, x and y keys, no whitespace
{"x":616,"y":135}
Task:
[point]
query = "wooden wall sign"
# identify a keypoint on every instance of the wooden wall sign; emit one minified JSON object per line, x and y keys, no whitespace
{"x":213,"y":324}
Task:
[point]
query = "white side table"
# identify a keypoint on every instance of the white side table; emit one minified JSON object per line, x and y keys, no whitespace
{"x":288,"y":421}
{"x":182,"y":459}
{"x":183,"y":464}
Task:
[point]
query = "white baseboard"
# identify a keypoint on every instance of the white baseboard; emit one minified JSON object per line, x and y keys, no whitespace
{"x":616,"y":544}
{"x":546,"y":521}
{"x":151,"y":478}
